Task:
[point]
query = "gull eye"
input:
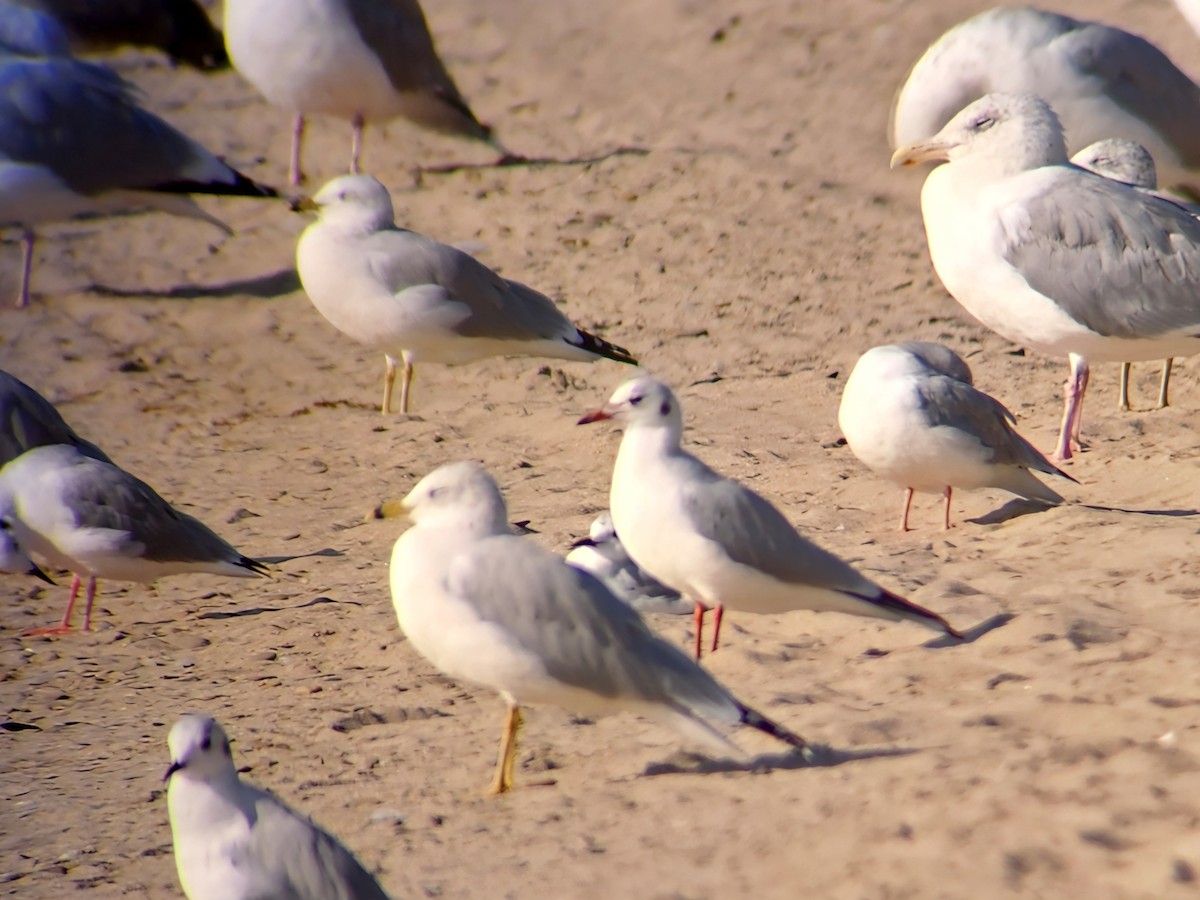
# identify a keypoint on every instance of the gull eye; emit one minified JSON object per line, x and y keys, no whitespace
{"x":982,"y":122}
{"x":635,"y":399}
{"x":206,"y":743}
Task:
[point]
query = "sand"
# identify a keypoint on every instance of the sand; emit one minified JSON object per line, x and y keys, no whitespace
{"x":749,"y":258}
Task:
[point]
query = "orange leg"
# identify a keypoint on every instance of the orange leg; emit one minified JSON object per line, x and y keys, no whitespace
{"x":65,"y":626}
{"x":949,"y":490}
{"x":718,"y":614}
{"x":908,"y":495}
{"x":701,"y":609}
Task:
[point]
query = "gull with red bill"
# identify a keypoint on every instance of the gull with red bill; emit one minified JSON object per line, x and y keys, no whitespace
{"x":716,"y":541}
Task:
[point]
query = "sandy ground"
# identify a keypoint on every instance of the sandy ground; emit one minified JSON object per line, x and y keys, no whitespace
{"x":748,"y":258}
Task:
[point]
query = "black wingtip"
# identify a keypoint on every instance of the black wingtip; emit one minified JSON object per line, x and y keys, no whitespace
{"x":241,"y":186}
{"x":906,"y":609}
{"x":601,"y":347}
{"x":758,"y":721}
{"x":258,"y":568}
{"x":38,"y":573}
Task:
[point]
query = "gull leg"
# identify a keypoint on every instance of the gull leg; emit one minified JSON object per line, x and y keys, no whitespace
{"x":718,"y":614}
{"x":65,"y":627}
{"x":1068,"y":437}
{"x":389,"y":378}
{"x":503,"y":779}
{"x":1123,"y":391}
{"x":946,"y":493}
{"x":405,"y":384}
{"x":295,"y":175}
{"x":27,"y":239}
{"x":1166,"y":383}
{"x":356,"y":144}
{"x":908,"y":495}
{"x":91,"y":598}
{"x":700,"y":610}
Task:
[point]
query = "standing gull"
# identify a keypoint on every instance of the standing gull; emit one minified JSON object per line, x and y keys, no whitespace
{"x":1102,"y":81}
{"x":1051,"y":256}
{"x":499,"y":611}
{"x":418,"y":300}
{"x":28,"y":420}
{"x":715,"y":540}
{"x":361,"y":60}
{"x":235,"y":841}
{"x":1129,"y":163}
{"x":73,"y":142}
{"x":94,"y":519}
{"x":910,"y":412}
{"x":603,"y":554}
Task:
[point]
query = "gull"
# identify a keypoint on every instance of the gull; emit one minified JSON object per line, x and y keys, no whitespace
{"x":96,"y":520}
{"x":419,"y":300}
{"x":361,"y":60}
{"x":28,"y":420}
{"x":74,"y":142}
{"x":1051,"y":256}
{"x":179,"y":28}
{"x":1129,"y":163}
{"x":499,"y":611}
{"x":716,"y":541}
{"x":235,"y":841}
{"x":911,"y":414}
{"x":603,"y":554}
{"x":1103,"y":82}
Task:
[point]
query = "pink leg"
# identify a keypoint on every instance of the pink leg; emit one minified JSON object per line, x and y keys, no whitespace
{"x":701,"y":609}
{"x":65,"y":627}
{"x":295,"y":175}
{"x":389,"y":379}
{"x":91,"y":598}
{"x":908,"y":495}
{"x":718,"y":614}
{"x":1068,"y":437}
{"x":946,"y":493}
{"x":27,"y":241}
{"x":356,"y":144}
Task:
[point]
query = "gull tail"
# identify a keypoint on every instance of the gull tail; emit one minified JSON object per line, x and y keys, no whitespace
{"x":601,"y":347}
{"x":757,"y":720}
{"x":1025,"y":484}
{"x":893,"y":606}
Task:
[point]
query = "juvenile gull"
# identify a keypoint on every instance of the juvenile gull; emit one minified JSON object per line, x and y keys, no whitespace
{"x":1129,"y":163}
{"x":910,"y":412}
{"x":235,"y":841}
{"x":421,"y":301}
{"x":603,"y":554}
{"x":28,"y":420}
{"x":499,"y":611}
{"x":1051,"y":256}
{"x":98,"y":521}
{"x":361,"y":60}
{"x":716,"y":541}
{"x":1102,"y":81}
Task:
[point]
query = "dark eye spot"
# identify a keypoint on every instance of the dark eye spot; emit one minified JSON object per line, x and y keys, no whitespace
{"x":666,"y":408}
{"x":206,"y":743}
{"x":5,"y":525}
{"x":635,"y":399}
{"x":982,"y":122}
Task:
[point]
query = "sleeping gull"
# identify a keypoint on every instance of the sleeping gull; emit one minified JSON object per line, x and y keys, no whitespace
{"x":499,"y":611}
{"x":603,"y":554}
{"x":1103,"y":82}
{"x":418,"y":300}
{"x":361,"y":60}
{"x":1051,"y":256}
{"x":1129,"y":163}
{"x":94,"y":519}
{"x":73,"y":141}
{"x":235,"y":841}
{"x":911,"y":414}
{"x":28,"y":420}
{"x":179,"y":28}
{"x":715,"y":540}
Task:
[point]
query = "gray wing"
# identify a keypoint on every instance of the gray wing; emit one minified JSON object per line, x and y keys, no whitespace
{"x":1122,"y":262}
{"x":396,"y":32}
{"x":939,"y":358}
{"x":1143,"y":81}
{"x":102,"y":495}
{"x":950,"y":403}
{"x":489,"y":306}
{"x":81,"y":121}
{"x":299,"y":860}
{"x":584,"y":635}
{"x":756,"y":534}
{"x":28,"y":420}
{"x":180,"y":28}
{"x":28,"y":32}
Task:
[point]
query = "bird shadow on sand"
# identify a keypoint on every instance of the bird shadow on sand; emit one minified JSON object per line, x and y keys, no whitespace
{"x":971,"y":635}
{"x":276,"y":284}
{"x":276,"y":560}
{"x":1168,"y":513}
{"x":259,"y":610}
{"x":1014,"y":509}
{"x":816,"y":756}
{"x":512,"y":160}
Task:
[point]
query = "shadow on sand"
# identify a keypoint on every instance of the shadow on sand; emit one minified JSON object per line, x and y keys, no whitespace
{"x":815,"y":756}
{"x":277,"y":284}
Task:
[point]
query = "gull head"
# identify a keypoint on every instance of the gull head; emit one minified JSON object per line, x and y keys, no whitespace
{"x":915,"y":358}
{"x":601,"y":532}
{"x":641,"y":402}
{"x":354,"y":203}
{"x":200,"y":749}
{"x":460,"y":494}
{"x":1121,"y":160}
{"x":1006,"y":133}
